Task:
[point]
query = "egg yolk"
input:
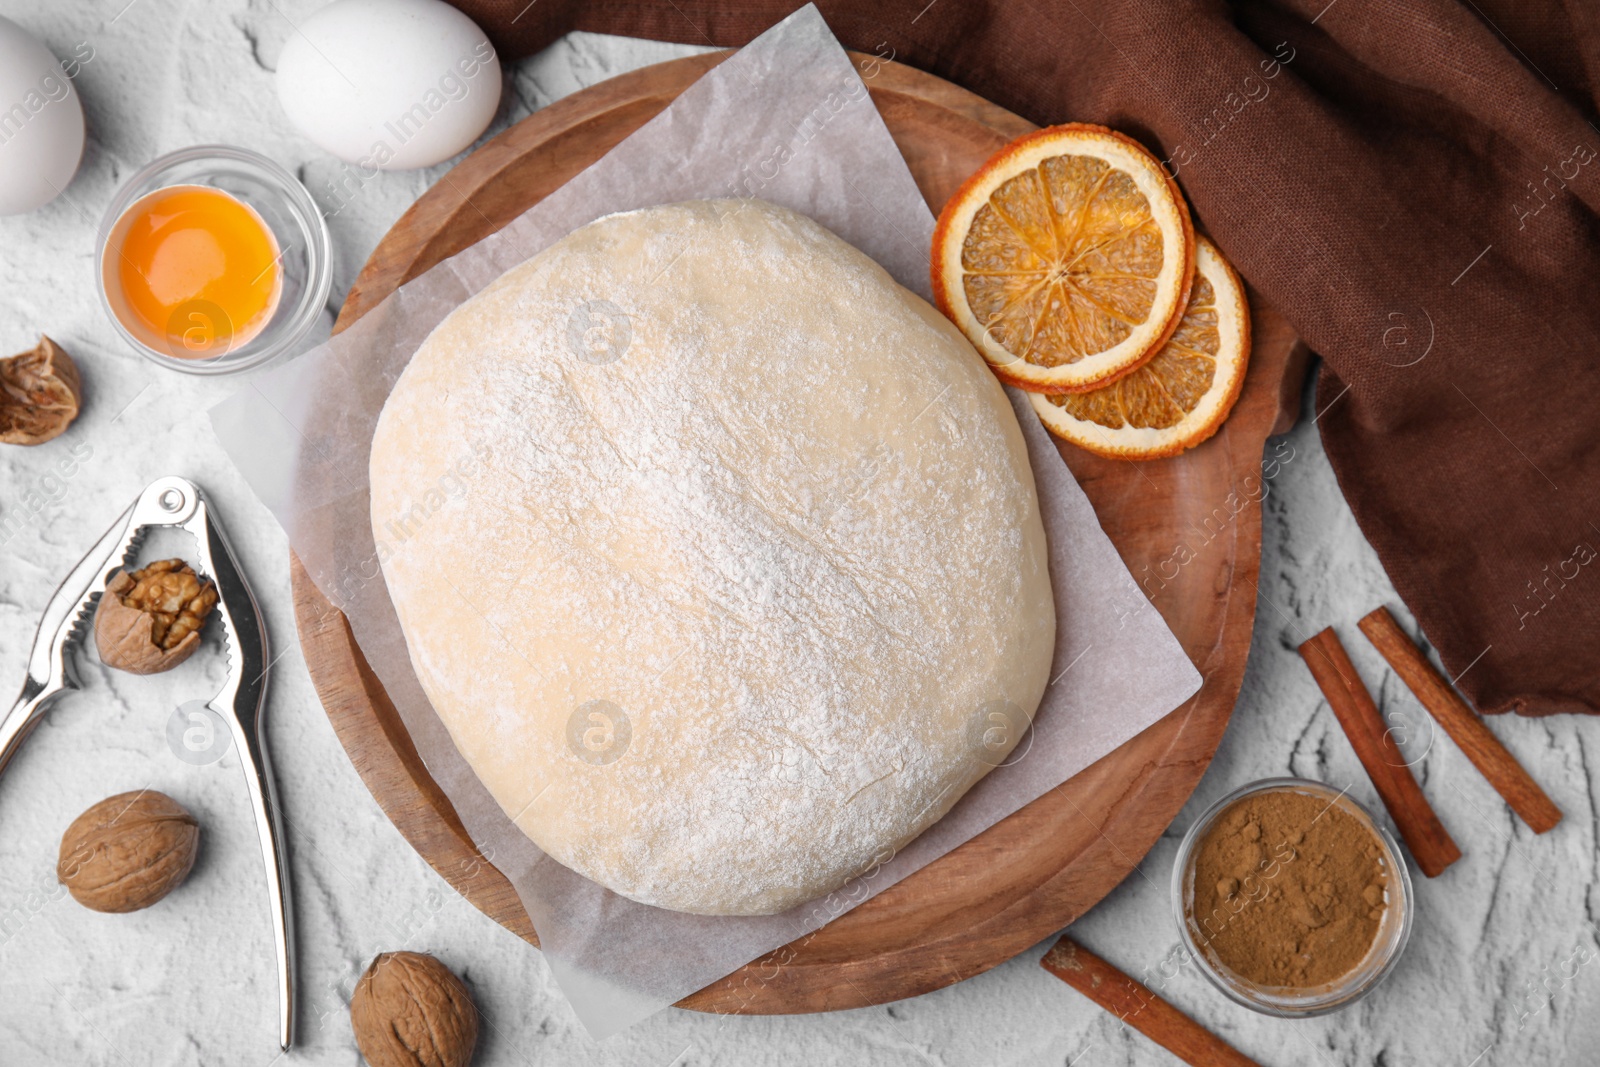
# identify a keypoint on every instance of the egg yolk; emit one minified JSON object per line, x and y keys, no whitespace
{"x":199,"y":268}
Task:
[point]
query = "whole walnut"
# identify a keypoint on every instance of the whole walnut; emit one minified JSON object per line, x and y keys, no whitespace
{"x":128,"y":851}
{"x":408,"y":1010}
{"x":150,"y":620}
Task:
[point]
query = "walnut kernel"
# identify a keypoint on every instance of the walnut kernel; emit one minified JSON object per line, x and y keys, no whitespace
{"x":150,"y":620}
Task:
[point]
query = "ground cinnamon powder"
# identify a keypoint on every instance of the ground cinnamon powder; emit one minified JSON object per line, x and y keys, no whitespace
{"x":1289,"y":890}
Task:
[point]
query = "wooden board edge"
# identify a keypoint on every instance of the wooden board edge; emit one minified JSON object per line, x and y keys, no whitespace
{"x":326,"y":637}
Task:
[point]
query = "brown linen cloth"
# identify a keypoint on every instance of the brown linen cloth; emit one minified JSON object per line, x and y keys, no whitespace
{"x":1415,"y":183}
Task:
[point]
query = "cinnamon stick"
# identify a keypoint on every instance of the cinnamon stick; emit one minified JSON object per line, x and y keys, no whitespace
{"x":1141,"y":1009}
{"x":1419,"y":826}
{"x":1463,"y":725}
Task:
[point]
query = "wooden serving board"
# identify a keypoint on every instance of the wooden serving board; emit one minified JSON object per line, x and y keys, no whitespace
{"x":1189,"y":528}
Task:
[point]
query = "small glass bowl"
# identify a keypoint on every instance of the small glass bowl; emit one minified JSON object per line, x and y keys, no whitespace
{"x":1287,"y":1001}
{"x":288,"y":211}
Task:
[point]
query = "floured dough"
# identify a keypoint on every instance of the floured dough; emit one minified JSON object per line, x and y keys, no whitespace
{"x":716,"y":551}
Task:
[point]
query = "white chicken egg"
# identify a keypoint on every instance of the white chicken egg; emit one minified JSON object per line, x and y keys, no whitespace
{"x":389,"y":84}
{"x":41,"y":123}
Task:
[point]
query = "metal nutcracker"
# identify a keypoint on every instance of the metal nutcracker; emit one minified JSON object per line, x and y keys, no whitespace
{"x":177,"y":502}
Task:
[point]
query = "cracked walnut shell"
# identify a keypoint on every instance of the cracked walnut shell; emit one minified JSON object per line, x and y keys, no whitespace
{"x":40,"y":393}
{"x":150,"y":621}
{"x":409,"y":1010}
{"x":128,"y":851}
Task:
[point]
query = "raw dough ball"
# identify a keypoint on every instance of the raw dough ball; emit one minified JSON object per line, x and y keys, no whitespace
{"x":717,"y":552}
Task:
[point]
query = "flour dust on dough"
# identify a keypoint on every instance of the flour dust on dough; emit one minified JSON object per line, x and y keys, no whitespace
{"x":716,"y":551}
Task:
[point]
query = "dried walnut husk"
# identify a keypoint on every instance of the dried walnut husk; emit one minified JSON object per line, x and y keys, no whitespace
{"x":150,"y":620}
{"x":128,"y":851}
{"x":39,"y":394}
{"x":409,"y":1010}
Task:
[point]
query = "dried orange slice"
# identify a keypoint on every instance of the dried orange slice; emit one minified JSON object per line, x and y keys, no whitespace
{"x":1179,"y":397}
{"x":1066,"y":259}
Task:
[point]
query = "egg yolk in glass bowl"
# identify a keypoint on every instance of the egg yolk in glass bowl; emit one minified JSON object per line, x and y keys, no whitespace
{"x":198,"y":269}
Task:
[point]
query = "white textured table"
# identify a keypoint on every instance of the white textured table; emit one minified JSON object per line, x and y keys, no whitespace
{"x":191,"y":980}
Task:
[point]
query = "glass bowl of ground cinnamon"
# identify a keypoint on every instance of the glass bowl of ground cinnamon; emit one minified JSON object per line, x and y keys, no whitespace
{"x":1291,"y":898}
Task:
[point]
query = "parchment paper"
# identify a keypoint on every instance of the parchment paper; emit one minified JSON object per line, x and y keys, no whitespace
{"x":787,"y":119}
